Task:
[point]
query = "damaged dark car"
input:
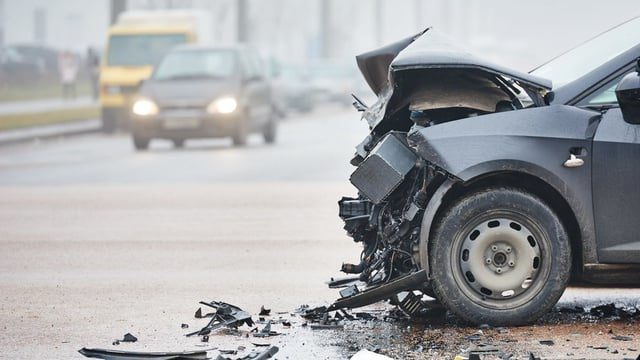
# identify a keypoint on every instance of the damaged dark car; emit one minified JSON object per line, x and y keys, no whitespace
{"x":492,"y":190}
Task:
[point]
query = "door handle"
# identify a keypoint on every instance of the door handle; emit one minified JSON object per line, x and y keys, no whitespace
{"x":573,"y":162}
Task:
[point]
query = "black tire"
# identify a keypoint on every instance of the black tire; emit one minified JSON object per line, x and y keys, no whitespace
{"x":178,"y":143}
{"x":491,"y":240}
{"x":109,"y":121}
{"x":241,"y":132}
{"x":271,"y":130}
{"x":141,"y":143}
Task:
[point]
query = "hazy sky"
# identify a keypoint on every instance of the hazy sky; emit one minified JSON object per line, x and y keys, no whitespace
{"x":516,"y":33}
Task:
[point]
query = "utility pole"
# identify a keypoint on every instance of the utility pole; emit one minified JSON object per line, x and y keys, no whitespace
{"x":419,"y":15}
{"x":378,"y":21}
{"x":242,"y":31}
{"x":117,"y":6}
{"x":1,"y":23}
{"x":325,"y":28}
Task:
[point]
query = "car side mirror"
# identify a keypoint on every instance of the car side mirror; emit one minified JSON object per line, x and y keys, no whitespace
{"x":628,"y":95}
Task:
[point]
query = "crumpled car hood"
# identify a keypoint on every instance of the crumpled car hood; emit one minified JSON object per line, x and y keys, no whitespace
{"x":428,"y":50}
{"x":374,"y":65}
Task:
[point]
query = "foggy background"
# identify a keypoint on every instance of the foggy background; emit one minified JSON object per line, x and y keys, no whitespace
{"x":515,"y":33}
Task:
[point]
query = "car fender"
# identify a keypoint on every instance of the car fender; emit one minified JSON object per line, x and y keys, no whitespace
{"x":534,"y":141}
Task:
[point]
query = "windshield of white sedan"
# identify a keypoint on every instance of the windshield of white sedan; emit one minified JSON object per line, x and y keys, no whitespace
{"x":197,"y":64}
{"x":583,"y":59}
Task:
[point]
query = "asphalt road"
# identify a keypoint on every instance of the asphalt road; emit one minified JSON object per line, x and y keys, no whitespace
{"x":98,"y":240}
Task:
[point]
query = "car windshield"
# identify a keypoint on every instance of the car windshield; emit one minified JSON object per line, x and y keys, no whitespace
{"x":141,"y":50}
{"x":583,"y":59}
{"x":196,"y":64}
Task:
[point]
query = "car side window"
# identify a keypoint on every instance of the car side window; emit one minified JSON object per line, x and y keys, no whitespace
{"x":257,"y":65}
{"x":247,"y":65}
{"x":605,"y":95}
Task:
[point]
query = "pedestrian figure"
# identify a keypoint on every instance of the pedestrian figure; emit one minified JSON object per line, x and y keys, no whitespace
{"x":93,"y":68}
{"x":68,"y":73}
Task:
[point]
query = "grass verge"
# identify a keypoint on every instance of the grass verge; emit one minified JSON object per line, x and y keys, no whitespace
{"x":45,"y":90}
{"x":18,"y":121}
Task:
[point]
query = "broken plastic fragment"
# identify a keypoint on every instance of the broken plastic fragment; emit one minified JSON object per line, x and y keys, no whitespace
{"x":369,"y":355}
{"x":135,"y":355}
{"x":264,"y":312}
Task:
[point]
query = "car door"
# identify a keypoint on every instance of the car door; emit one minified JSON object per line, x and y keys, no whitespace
{"x":615,"y":180}
{"x":256,"y":93}
{"x":262,"y":100}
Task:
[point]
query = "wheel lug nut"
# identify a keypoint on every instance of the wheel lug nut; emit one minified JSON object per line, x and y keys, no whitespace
{"x":512,"y":263}
{"x":488,"y":260}
{"x":508,"y":249}
{"x":499,"y":270}
{"x":494,"y":248}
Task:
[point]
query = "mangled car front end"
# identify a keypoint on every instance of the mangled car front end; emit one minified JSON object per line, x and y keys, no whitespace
{"x":465,"y":189}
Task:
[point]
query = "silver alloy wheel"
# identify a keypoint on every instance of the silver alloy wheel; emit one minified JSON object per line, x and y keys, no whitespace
{"x":501,"y":261}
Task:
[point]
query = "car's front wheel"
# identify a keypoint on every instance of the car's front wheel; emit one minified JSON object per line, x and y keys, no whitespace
{"x":270,"y":130}
{"x":178,"y":143}
{"x":140,"y":142}
{"x":241,"y":132}
{"x":499,"y":256}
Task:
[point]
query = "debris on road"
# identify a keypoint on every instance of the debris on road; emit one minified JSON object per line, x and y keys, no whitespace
{"x":226,"y":315}
{"x":264,"y":312}
{"x":267,"y":354}
{"x":368,"y":355}
{"x":311,"y":314}
{"x":126,"y":338}
{"x":476,"y":352}
{"x":622,"y":338}
{"x":265,"y":332}
{"x":198,"y":314}
{"x":547,"y":342}
{"x":135,"y":355}
{"x":611,"y":310}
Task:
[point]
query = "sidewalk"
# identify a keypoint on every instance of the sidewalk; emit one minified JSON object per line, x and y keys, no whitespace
{"x":36,"y":106}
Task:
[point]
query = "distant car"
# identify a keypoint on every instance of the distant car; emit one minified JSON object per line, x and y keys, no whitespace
{"x":293,"y":90}
{"x":28,"y":63}
{"x":334,"y":81}
{"x":202,"y":92}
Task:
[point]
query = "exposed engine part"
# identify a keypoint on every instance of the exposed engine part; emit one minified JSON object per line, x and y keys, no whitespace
{"x":385,"y":168}
{"x":386,"y":218}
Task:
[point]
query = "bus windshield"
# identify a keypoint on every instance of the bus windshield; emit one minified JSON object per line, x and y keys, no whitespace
{"x":141,"y":50}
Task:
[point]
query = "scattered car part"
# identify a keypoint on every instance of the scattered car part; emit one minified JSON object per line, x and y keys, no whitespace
{"x":381,"y":292}
{"x":263,"y":355}
{"x":126,"y":338}
{"x":136,"y":355}
{"x":265,"y":332}
{"x":264,"y":312}
{"x":226,"y":315}
{"x":368,"y":355}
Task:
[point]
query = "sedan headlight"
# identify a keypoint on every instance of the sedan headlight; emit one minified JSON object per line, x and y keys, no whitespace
{"x":144,"y":107}
{"x":223,"y":105}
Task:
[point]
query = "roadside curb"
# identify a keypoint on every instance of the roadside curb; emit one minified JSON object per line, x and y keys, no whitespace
{"x":35,"y":133}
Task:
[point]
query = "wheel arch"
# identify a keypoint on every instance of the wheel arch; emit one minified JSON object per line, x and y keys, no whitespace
{"x":453,"y":190}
